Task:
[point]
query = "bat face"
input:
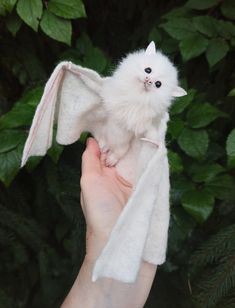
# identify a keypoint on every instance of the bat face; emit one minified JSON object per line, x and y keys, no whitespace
{"x":148,"y":76}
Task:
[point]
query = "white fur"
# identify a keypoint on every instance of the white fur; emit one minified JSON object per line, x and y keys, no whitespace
{"x":134,"y":104}
{"x":118,"y":111}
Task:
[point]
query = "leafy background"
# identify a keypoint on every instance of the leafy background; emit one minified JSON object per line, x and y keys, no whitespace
{"x":41,"y":223}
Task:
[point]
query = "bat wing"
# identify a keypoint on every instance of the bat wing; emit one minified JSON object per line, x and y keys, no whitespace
{"x":123,"y":253}
{"x":142,"y":228}
{"x":69,"y":95}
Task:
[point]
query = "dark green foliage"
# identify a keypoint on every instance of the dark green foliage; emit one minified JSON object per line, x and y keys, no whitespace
{"x":214,"y":264}
{"x":42,"y":233}
{"x":41,"y":224}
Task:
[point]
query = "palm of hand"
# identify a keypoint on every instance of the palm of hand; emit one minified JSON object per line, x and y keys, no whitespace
{"x":104,"y":193}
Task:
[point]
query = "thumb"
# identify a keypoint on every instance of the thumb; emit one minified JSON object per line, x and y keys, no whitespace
{"x":91,"y":157}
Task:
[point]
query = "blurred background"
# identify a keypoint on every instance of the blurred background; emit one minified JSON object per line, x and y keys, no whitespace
{"x":42,"y":229}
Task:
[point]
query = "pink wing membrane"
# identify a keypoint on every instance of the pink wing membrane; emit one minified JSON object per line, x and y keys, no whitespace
{"x":71,"y":90}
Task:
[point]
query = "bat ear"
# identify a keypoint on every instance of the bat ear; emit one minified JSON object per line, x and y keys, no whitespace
{"x":151,"y":49}
{"x":178,"y":91}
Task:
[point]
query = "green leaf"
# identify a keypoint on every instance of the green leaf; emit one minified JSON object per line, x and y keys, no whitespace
{"x":95,"y":59}
{"x":193,"y":46}
{"x":72,"y":55}
{"x":10,"y":164}
{"x":175,"y":162}
{"x":201,"y":5}
{"x":83,"y":43}
{"x":33,"y":162}
{"x":9,"y":140}
{"x":31,"y":97}
{"x":67,"y":9}
{"x":22,"y":112}
{"x":6,"y":6}
{"x":10,"y":4}
{"x":13,"y":24}
{"x":231,"y":162}
{"x":55,"y":151}
{"x":20,"y":115}
{"x":200,"y":115}
{"x":183,"y":220}
{"x":177,"y":12}
{"x":205,"y":173}
{"x":179,"y":28}
{"x":225,"y":29}
{"x":180,"y":185}
{"x":198,"y":203}
{"x":194,"y":142}
{"x":175,"y":127}
{"x":205,"y":25}
{"x":83,"y":137}
{"x":169,"y":46}
{"x":182,"y":102}
{"x":231,"y":92}
{"x":228,"y":9}
{"x":3,"y":11}
{"x":222,"y":187}
{"x":57,"y":28}
{"x":155,"y":35}
{"x":180,"y":229}
{"x":215,"y":151}
{"x":30,"y":11}
{"x":216,"y":50}
{"x":230,"y":144}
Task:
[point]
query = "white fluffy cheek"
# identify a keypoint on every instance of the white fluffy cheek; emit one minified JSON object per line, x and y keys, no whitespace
{"x":160,"y":100}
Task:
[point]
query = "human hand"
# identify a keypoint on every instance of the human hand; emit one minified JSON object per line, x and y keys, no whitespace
{"x":103,"y":195}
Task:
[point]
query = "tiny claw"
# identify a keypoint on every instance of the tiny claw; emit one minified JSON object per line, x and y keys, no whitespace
{"x":111,"y":160}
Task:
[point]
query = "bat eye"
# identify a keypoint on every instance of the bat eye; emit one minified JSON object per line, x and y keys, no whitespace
{"x":148,"y":70}
{"x":158,"y":84}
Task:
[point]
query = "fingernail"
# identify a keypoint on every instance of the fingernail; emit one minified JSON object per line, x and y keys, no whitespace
{"x":88,"y":141}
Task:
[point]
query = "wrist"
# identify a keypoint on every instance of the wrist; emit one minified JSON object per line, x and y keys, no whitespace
{"x":94,"y":245}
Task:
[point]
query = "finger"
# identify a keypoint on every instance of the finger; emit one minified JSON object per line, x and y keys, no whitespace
{"x":91,"y":157}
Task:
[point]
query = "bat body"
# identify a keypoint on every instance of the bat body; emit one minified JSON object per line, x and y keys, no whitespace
{"x":116,"y":109}
{"x":127,"y":114}
{"x":135,"y":99}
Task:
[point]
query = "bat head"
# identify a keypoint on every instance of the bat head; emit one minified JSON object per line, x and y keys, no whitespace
{"x":150,"y":76}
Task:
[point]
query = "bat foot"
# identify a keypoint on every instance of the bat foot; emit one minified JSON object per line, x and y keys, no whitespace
{"x":109,"y":159}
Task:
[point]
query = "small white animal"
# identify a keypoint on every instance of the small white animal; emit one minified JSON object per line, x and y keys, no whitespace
{"x":129,"y":104}
{"x":137,"y":97}
{"x":119,"y":110}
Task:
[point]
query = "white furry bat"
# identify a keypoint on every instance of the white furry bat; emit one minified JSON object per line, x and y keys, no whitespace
{"x":121,"y":112}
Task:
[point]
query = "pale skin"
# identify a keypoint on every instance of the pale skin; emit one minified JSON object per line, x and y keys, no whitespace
{"x":103,"y":195}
